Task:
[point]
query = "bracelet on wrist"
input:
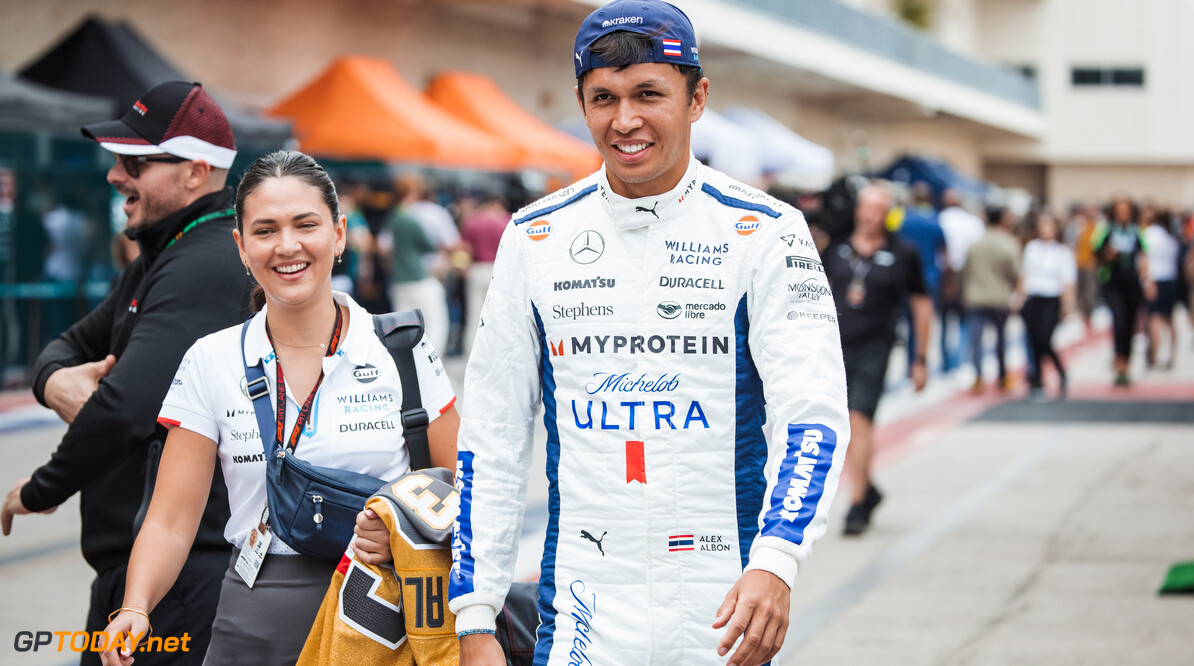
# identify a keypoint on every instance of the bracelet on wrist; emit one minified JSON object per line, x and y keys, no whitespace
{"x":470,"y":632}
{"x":132,"y":609}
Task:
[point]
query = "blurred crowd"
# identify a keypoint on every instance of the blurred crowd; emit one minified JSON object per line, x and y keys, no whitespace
{"x":982,"y":264}
{"x":415,"y":245}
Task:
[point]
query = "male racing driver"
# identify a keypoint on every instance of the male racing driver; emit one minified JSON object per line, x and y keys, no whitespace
{"x":662,"y":313}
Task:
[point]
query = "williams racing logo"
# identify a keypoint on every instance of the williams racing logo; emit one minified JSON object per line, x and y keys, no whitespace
{"x":695,"y":254}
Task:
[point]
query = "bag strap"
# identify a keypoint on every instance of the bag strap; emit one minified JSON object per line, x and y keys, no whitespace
{"x":258,"y":389}
{"x":400,"y":332}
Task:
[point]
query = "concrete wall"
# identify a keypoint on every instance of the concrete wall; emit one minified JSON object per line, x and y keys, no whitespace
{"x":955,"y":24}
{"x":1166,"y":185}
{"x":1119,"y":124}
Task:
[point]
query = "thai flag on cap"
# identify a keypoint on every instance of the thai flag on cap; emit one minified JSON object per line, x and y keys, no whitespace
{"x":679,"y":542}
{"x":671,"y":47}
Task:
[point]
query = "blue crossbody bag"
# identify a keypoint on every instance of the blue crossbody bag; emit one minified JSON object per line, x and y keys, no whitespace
{"x":313,"y":509}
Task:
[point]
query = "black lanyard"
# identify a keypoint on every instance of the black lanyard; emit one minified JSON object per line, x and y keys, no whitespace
{"x":857,"y":262}
{"x":305,"y":412}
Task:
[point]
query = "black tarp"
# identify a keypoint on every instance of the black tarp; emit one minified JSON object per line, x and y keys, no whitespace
{"x":27,"y":106}
{"x":111,"y":60}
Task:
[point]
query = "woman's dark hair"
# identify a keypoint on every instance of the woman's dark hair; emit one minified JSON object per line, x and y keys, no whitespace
{"x":1032,"y":221}
{"x":623,"y":48}
{"x":1133,"y":209}
{"x":994,"y":215}
{"x":282,"y":164}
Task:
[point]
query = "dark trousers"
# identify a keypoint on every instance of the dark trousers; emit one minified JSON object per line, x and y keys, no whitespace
{"x":953,"y":350}
{"x":1041,"y":315}
{"x":189,"y":607}
{"x":1124,"y":302}
{"x":979,"y":317}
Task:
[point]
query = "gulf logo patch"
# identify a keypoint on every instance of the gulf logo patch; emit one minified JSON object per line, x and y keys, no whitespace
{"x":539,"y":230}
{"x":747,"y":225}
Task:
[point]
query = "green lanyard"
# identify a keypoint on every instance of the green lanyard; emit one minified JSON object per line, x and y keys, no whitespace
{"x":227,"y":212}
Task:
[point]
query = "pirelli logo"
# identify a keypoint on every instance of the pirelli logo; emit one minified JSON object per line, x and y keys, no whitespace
{"x":797,"y":261}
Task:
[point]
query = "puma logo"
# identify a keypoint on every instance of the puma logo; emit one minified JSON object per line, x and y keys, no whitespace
{"x":585,"y":535}
{"x":651,"y":210}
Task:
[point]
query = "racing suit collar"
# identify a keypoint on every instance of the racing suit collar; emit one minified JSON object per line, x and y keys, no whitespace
{"x":637,"y":213}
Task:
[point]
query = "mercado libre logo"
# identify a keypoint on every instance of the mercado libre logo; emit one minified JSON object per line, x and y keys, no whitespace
{"x":539,"y":230}
{"x":747,"y":225}
{"x":669,"y":309}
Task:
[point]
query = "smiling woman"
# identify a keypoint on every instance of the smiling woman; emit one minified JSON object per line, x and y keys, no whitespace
{"x":290,"y":227}
{"x":289,"y":232}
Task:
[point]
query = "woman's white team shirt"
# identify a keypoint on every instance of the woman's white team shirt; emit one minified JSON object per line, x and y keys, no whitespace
{"x":1163,"y":251}
{"x":1048,"y":268}
{"x":355,"y":422}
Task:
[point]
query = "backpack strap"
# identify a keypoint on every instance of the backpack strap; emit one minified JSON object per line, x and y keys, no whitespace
{"x":258,"y":391}
{"x":400,"y":332}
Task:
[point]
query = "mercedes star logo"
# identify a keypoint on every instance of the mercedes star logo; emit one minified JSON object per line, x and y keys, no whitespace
{"x":587,"y":247}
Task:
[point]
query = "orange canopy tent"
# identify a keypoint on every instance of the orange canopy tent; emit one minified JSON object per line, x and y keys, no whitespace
{"x":477,"y":100}
{"x":361,"y":108}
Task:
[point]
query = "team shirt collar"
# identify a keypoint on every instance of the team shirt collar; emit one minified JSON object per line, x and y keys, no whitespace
{"x":637,"y":213}
{"x":355,"y":346}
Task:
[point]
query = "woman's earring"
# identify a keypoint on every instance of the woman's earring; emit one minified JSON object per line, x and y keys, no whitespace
{"x":247,"y":270}
{"x":340,"y":256}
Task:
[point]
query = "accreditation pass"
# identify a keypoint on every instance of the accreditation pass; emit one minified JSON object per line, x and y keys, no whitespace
{"x":253,"y":553}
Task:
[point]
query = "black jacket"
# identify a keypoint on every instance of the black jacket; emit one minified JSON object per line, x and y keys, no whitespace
{"x":165,"y":300}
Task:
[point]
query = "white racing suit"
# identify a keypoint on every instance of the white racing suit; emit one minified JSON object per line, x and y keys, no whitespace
{"x":663,"y":336}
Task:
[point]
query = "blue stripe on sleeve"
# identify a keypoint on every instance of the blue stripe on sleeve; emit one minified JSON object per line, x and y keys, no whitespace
{"x":738,"y":203}
{"x":551,"y":209}
{"x":750,"y":446}
{"x":547,"y":574}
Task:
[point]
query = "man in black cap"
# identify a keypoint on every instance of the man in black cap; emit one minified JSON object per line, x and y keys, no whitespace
{"x":106,"y":376}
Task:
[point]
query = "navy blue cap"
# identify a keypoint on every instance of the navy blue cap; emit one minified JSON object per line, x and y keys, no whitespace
{"x":670,"y":30}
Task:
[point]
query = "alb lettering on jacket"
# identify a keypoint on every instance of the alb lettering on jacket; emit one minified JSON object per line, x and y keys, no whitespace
{"x":375,"y":614}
